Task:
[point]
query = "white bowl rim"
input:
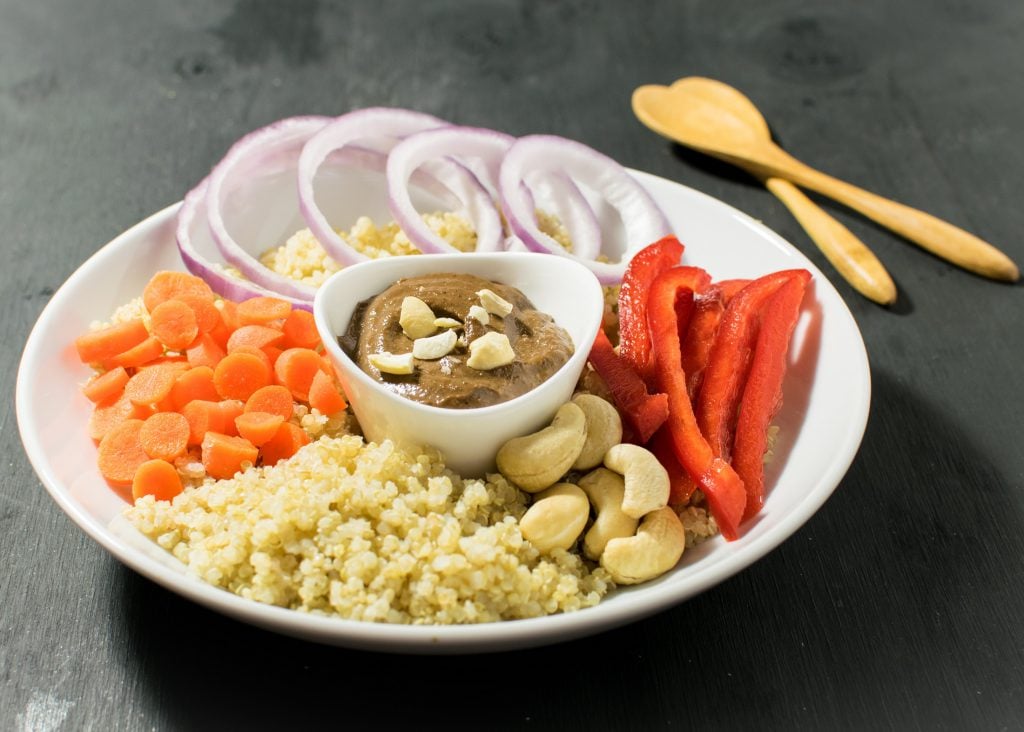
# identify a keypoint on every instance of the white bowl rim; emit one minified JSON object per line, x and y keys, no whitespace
{"x":579,"y":353}
{"x":630,"y":605}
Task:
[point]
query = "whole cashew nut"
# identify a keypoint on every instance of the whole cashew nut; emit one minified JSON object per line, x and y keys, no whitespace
{"x":647,"y":483}
{"x":605,"y":490}
{"x":654,"y":550}
{"x":556,"y":518}
{"x":604,"y":429}
{"x":534,"y":462}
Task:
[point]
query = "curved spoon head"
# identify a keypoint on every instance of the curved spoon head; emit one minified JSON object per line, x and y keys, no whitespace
{"x":704,"y":114}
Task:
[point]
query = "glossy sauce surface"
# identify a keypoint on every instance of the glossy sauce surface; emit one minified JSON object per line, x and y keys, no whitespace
{"x":541,"y":346}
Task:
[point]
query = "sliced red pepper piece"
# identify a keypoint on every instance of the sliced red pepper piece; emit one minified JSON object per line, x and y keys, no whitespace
{"x":730,"y":288}
{"x":721,"y":485}
{"x":700,"y":334}
{"x":642,"y":412}
{"x":729,"y":361}
{"x":762,"y":394}
{"x":648,"y":263}
{"x":700,"y":337}
{"x":681,"y":485}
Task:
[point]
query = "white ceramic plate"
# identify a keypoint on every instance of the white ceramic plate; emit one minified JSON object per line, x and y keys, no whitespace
{"x":827,"y":393}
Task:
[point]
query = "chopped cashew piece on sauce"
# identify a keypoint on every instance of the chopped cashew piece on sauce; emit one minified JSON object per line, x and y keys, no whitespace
{"x":490,"y":351}
{"x":478,"y":314}
{"x":447,"y":323}
{"x":494,"y":303}
{"x":393,"y":363}
{"x":434,"y":347}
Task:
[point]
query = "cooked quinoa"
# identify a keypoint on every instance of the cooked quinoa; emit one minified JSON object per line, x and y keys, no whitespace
{"x":304,"y":259}
{"x":369,"y":532}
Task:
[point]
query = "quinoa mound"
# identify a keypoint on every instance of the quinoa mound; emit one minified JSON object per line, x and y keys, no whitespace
{"x":369,"y":532}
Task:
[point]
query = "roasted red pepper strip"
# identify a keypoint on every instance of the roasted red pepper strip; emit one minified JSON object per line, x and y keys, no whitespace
{"x":721,"y":485}
{"x":642,"y":412}
{"x":729,"y":360}
{"x":634,"y":339}
{"x":762,"y":394}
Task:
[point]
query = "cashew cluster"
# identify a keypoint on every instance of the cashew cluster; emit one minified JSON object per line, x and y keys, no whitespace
{"x":634,"y":534}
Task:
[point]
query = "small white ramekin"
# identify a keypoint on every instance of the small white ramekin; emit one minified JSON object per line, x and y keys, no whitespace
{"x":468,"y":438}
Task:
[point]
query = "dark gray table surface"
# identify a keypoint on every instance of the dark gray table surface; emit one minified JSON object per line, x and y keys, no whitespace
{"x":897,"y":606}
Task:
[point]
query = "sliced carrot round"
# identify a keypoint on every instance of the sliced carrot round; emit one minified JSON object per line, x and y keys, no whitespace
{"x":167,"y":285}
{"x":174,"y":323}
{"x":238,"y":375}
{"x":106,"y":386}
{"x":207,"y":314}
{"x":295,"y":368}
{"x":165,"y":435}
{"x":300,"y":331}
{"x":151,"y":385}
{"x":139,"y":355}
{"x":157,"y":478}
{"x":258,"y":427}
{"x":107,"y":415}
{"x":261,"y":310}
{"x":274,"y":398}
{"x":196,"y":383}
{"x":256,"y":336}
{"x":259,"y":353}
{"x":120,"y":453}
{"x":99,"y":345}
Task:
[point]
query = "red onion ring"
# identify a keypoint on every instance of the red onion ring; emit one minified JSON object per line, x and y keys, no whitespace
{"x":263,"y":153}
{"x":644,"y":222}
{"x":569,"y":206}
{"x":378,"y":128}
{"x":192,"y":215}
{"x":446,"y":152}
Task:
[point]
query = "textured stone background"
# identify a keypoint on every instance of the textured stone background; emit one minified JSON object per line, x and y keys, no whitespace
{"x":897,"y":606}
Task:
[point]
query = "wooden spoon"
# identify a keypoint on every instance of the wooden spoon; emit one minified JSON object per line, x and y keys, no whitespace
{"x":848,"y":254}
{"x":716,"y":119}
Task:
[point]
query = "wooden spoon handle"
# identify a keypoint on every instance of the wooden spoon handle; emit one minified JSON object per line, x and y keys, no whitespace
{"x":848,"y":254}
{"x":933,"y":234}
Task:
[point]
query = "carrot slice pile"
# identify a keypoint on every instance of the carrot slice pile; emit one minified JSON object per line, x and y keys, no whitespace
{"x":207,"y":379}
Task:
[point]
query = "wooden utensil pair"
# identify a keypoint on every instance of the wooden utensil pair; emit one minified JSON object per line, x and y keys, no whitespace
{"x":718,"y":120}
